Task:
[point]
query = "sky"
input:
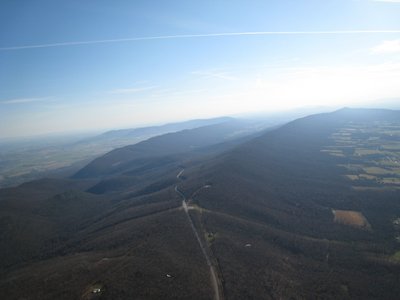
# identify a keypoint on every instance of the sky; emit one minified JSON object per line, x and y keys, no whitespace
{"x":85,"y":65}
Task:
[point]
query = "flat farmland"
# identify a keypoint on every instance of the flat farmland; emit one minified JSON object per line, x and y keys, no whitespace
{"x":370,"y":153}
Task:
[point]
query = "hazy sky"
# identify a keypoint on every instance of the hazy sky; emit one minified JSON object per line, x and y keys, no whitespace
{"x":70,"y":65}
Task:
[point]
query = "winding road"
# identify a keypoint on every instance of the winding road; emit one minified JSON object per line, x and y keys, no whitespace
{"x":214,"y":279}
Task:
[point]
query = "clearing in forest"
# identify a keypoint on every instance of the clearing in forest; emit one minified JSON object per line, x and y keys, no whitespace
{"x":351,"y":218}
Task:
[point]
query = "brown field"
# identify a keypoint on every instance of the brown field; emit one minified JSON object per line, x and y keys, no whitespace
{"x":353,"y":177}
{"x":351,"y":218}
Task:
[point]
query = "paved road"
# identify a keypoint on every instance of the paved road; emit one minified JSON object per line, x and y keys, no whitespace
{"x":179,"y":174}
{"x":214,"y":279}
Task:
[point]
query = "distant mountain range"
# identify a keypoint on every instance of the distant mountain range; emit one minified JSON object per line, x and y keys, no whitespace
{"x":168,"y":145}
{"x":30,"y":159}
{"x":309,"y":210}
{"x":146,"y":132}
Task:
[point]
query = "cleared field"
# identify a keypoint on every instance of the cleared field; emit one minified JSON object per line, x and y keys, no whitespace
{"x":372,"y":152}
{"x":352,"y":167}
{"x":353,"y":177}
{"x":391,"y":147}
{"x":351,"y":218}
{"x":369,"y":177}
{"x":377,"y":171}
{"x":391,"y":181}
{"x":361,"y":176}
{"x":334,"y":152}
{"x":366,"y":152}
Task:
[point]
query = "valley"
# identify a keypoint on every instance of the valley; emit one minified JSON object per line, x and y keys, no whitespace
{"x":22,"y":161}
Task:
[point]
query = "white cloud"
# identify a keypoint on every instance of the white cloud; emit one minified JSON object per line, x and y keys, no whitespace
{"x":341,"y":85}
{"x":173,"y":93}
{"x":132,"y":90}
{"x":259,"y":89}
{"x":215,"y":74}
{"x":269,"y":89}
{"x":387,"y":47}
{"x":24,"y":100}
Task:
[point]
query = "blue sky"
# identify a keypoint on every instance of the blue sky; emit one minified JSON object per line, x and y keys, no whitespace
{"x":64,"y":66}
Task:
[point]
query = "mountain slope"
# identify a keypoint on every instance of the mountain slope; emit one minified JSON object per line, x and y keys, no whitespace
{"x":279,"y":193}
{"x":76,"y":236}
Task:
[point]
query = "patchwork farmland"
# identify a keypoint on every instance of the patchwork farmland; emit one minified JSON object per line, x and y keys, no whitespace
{"x":370,"y":154}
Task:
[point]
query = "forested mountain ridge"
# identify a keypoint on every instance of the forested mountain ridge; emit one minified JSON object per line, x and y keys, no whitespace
{"x":308,"y":210}
{"x":292,"y":195}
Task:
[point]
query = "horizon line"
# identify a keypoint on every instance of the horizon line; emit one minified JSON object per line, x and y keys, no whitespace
{"x":187,"y":36}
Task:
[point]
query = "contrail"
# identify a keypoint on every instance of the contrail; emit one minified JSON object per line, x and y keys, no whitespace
{"x":189,"y":36}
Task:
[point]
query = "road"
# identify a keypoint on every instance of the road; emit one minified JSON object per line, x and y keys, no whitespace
{"x":214,"y":279}
{"x":179,"y":174}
